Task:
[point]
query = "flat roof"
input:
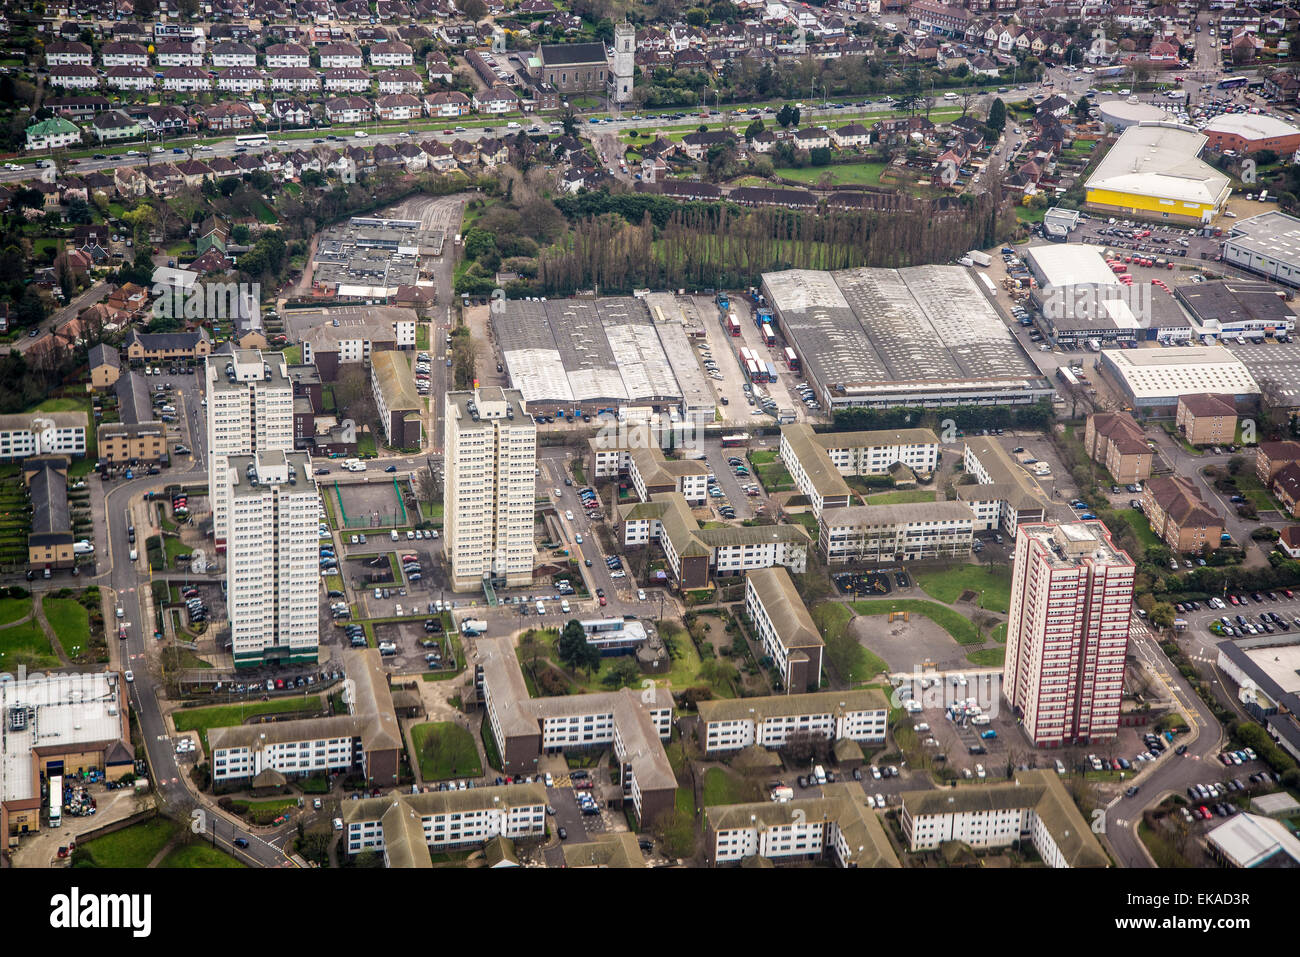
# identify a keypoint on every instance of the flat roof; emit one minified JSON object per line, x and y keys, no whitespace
{"x":1249,"y":840}
{"x":1251,"y":126}
{"x":1273,"y":235}
{"x":1160,"y":160}
{"x":880,"y":331}
{"x":58,"y":712}
{"x":1280,"y":662}
{"x":1275,"y":366}
{"x":1070,"y":264}
{"x":1164,"y":373}
{"x":568,"y":351}
{"x":1232,"y":301}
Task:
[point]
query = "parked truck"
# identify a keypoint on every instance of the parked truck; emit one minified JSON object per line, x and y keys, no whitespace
{"x":820,"y":774}
{"x":980,"y":719}
{"x":354,"y":465}
{"x":473,"y":626}
{"x":979,"y":258}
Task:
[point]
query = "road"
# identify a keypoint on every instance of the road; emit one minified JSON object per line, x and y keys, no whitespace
{"x":94,"y":294}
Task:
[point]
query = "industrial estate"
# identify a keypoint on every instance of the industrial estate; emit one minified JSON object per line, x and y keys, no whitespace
{"x":544,"y":434}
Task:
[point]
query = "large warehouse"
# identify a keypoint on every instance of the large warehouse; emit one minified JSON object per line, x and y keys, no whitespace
{"x":1252,"y":132}
{"x":1153,"y":379}
{"x":923,"y":336}
{"x":1268,"y":244}
{"x":1154,"y":171}
{"x":597,"y":354}
{"x":1081,"y":298}
{"x":1232,"y":307}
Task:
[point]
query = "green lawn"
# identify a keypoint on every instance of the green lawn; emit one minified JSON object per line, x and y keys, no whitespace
{"x":851,"y":661}
{"x":987,"y":657}
{"x":175,"y":547}
{"x":134,"y":846}
{"x":848,"y":174}
{"x":366,"y":444}
{"x":202,"y":719}
{"x":1027,"y":215}
{"x":774,"y":477}
{"x":200,"y":855}
{"x":723,"y":787}
{"x":292,"y":355}
{"x":961,"y":629}
{"x":11,"y":609}
{"x":422,"y":335}
{"x":445,"y":750}
{"x":901,"y":497}
{"x":762,"y":457}
{"x":70,"y":621}
{"x":992,"y":582}
{"x":1141,"y":527}
{"x":25,"y":644}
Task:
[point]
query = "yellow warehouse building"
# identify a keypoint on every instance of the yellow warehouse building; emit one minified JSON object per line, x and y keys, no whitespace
{"x":1154,"y":172}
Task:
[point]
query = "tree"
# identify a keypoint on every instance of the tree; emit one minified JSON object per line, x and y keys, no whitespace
{"x":696,"y":17}
{"x":1082,"y":108}
{"x":569,"y":120}
{"x":622,"y":672}
{"x":352,"y":395}
{"x":575,"y":651}
{"x":787,"y":116}
{"x":754,"y":128}
{"x":474,"y":9}
{"x":997,"y":115}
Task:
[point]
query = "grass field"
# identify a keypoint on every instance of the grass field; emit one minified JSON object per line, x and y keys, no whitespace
{"x":987,"y":657}
{"x":25,"y":644}
{"x":199,"y":855}
{"x":848,"y":174}
{"x":901,"y":497}
{"x":723,"y":787}
{"x":1141,"y":527}
{"x":134,"y":846}
{"x":11,"y":609}
{"x":70,"y":621}
{"x":445,"y":750}
{"x":202,"y":719}
{"x":992,"y":582}
{"x":962,"y":631}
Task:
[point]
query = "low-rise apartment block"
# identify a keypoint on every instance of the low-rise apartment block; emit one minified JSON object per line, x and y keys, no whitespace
{"x":339,"y":335}
{"x":1005,"y":495}
{"x":367,"y":739}
{"x":1116,"y":441}
{"x":892,"y":533}
{"x":838,"y":827}
{"x":399,"y":406}
{"x":1179,"y":516}
{"x":1207,"y":419}
{"x":1033,"y":807}
{"x":49,"y":543}
{"x":165,"y":346}
{"x":120,"y":443}
{"x":406,"y":827}
{"x":42,"y":433}
{"x":695,"y":554}
{"x":1271,"y":456}
{"x":524,"y":728}
{"x":818,"y":461}
{"x":783,"y":625}
{"x":738,"y":723}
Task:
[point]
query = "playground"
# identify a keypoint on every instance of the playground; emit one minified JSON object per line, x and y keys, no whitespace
{"x":864,"y":584}
{"x":365,"y":505}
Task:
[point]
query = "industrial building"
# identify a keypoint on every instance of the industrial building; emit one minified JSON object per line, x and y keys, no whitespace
{"x":1232,"y":307}
{"x":923,"y":336}
{"x":1246,"y":133}
{"x":56,"y":725}
{"x":1268,"y":245}
{"x":1252,"y":840}
{"x":1152,"y":379}
{"x":598,"y":354}
{"x":1081,"y":298}
{"x":370,"y":258}
{"x":1123,"y":113}
{"x":1154,"y":171}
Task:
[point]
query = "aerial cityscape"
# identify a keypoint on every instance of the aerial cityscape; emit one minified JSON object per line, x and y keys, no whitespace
{"x":582,"y":433}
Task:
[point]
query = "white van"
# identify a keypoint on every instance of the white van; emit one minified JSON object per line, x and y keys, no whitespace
{"x":392,"y":535}
{"x":564,"y":605}
{"x":820,"y":774}
{"x":134,"y":554}
{"x":541,"y":607}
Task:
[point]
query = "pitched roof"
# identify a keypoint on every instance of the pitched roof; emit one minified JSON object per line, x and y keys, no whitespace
{"x":1208,"y":404}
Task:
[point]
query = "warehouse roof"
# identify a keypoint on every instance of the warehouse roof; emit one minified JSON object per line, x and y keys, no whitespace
{"x":1160,"y":160}
{"x":1165,"y":373}
{"x":1070,"y":264}
{"x":1249,"y":840}
{"x":1251,"y":126}
{"x":1274,"y":235}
